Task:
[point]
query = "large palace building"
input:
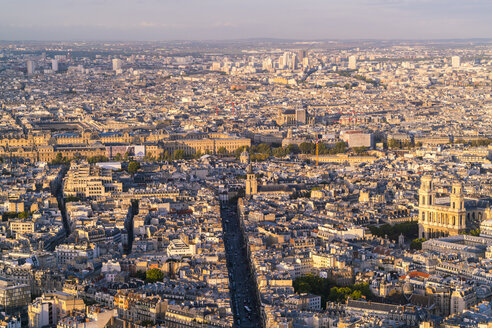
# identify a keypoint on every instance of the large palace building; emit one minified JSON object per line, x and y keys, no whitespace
{"x":46,"y":145}
{"x":449,"y":215}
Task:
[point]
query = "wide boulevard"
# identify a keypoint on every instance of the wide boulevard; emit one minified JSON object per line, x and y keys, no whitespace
{"x":247,"y":311}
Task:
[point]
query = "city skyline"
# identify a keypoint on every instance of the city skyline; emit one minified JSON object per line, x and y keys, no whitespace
{"x":245,"y":164}
{"x":221,"y":20}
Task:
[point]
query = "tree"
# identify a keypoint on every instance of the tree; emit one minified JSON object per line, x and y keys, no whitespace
{"x":147,"y":323}
{"x":340,"y":147}
{"x":360,"y":150}
{"x":262,"y":148}
{"x":480,"y":142}
{"x":322,"y":149}
{"x":72,"y":199}
{"x":178,"y":154}
{"x":58,"y":159}
{"x":475,"y":232}
{"x":279,"y":152}
{"x":408,"y":229}
{"x":118,"y":157}
{"x":149,"y":157}
{"x":238,"y":151}
{"x":133,"y":167}
{"x":222,"y":151}
{"x":393,"y":144}
{"x":198,"y":154}
{"x":417,"y":243}
{"x":96,"y":159}
{"x":292,"y":149}
{"x":259,"y":157}
{"x":328,"y":291}
{"x":140,"y":275}
{"x":24,"y":215}
{"x":307,"y":147}
{"x":154,"y":275}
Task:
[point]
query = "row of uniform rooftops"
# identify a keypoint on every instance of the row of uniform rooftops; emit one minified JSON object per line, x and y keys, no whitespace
{"x":74,"y":133}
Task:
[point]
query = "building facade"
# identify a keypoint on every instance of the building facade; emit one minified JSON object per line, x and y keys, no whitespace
{"x":446,"y":216}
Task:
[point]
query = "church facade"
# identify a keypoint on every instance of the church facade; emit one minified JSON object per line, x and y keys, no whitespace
{"x":447,"y":216}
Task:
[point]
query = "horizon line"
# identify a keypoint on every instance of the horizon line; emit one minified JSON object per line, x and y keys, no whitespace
{"x":253,"y":39}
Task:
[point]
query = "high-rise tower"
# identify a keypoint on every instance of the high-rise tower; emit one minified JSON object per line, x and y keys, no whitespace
{"x":455,"y":61}
{"x":352,"y":62}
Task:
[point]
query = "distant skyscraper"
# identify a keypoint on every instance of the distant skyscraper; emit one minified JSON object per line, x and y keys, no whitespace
{"x":116,"y":64}
{"x":281,"y":62}
{"x":293,"y":61}
{"x":284,"y":60}
{"x":305,"y":62}
{"x":455,"y":61}
{"x":301,"y":54}
{"x":352,"y":62}
{"x":54,"y":65}
{"x":30,"y":67}
{"x":267,"y":64}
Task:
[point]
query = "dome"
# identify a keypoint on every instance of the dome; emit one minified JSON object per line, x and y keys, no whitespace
{"x":407,"y":288}
{"x":244,"y":157}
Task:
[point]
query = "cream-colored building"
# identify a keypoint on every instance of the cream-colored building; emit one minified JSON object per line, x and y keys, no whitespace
{"x":210,"y":144}
{"x":343,"y":158}
{"x":85,"y":180}
{"x":21,"y":226}
{"x":178,"y":248}
{"x":462,"y":299}
{"x":446,"y":216}
{"x":46,"y":310}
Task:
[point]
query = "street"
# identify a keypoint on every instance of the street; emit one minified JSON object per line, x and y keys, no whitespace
{"x":247,"y":311}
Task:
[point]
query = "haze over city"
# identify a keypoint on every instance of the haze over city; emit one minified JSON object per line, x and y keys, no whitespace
{"x":231,"y":19}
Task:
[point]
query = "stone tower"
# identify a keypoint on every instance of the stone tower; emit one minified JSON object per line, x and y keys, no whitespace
{"x":426,"y":192}
{"x":251,"y":183}
{"x":426,"y":200}
{"x":457,"y":205}
{"x":456,"y":197}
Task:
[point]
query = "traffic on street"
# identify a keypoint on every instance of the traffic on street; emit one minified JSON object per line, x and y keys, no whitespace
{"x":247,"y":311}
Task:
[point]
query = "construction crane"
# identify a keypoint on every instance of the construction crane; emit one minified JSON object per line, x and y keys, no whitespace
{"x":234,"y":103}
{"x":233,"y":106}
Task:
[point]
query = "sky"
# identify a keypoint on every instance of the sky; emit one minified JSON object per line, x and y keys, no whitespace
{"x":144,"y":20}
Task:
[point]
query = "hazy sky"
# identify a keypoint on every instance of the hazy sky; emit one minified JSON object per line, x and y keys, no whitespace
{"x":226,"y":19}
